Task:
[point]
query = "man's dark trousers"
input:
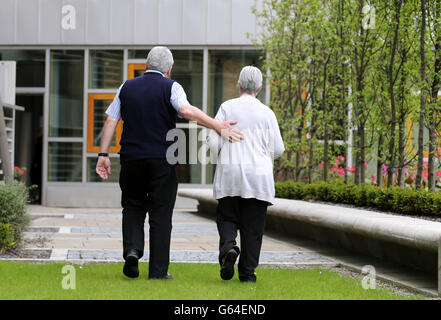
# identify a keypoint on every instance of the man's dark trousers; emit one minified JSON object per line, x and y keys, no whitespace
{"x":148,"y":185}
{"x":247,"y":215}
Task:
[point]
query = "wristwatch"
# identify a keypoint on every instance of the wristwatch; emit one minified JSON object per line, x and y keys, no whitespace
{"x":103,"y":154}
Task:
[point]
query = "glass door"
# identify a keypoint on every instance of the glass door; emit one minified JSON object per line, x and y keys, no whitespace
{"x":28,"y":153}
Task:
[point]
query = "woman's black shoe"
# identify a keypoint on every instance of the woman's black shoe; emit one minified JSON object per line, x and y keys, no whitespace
{"x":227,"y":267}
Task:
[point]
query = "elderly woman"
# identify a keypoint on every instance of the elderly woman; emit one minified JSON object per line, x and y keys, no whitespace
{"x":244,"y":182}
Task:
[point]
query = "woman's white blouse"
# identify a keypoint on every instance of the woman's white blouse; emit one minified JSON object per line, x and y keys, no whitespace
{"x":245,"y":168}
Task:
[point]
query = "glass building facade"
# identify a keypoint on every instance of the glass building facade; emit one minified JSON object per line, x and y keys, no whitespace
{"x":78,"y":85}
{"x":71,"y":58}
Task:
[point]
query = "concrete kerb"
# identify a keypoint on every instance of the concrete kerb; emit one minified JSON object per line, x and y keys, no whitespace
{"x":409,"y":241}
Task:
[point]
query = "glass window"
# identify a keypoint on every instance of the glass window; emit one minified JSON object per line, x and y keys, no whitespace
{"x":224,"y":67}
{"x":92,"y":176}
{"x":189,"y":173}
{"x":65,"y":161}
{"x":30,"y":66}
{"x":187,"y":71}
{"x":105,"y":69}
{"x":66,"y":93}
{"x":97,"y":105}
{"x":139,"y":54}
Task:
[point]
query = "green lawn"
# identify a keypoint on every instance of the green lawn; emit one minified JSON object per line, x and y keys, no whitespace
{"x":19,"y":280}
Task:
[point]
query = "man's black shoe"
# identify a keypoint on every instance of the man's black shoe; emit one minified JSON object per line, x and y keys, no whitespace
{"x":227,"y":267}
{"x":131,"y":265}
{"x":167,"y":277}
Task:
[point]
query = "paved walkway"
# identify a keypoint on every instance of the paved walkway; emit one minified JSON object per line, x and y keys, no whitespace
{"x":85,"y":235}
{"x":95,"y":235}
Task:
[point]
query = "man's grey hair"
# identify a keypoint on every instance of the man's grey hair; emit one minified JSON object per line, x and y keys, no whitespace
{"x":250,"y":79}
{"x":160,"y":59}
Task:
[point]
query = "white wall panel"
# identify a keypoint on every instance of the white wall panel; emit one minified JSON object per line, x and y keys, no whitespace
{"x":242,"y":21}
{"x":194,"y":21}
{"x":7,"y":21}
{"x":98,"y":21}
{"x":27,"y":22}
{"x":170,"y":22}
{"x":121,"y":26}
{"x":219,"y":22}
{"x":127,"y":22}
{"x":146,"y":22}
{"x":50,"y":21}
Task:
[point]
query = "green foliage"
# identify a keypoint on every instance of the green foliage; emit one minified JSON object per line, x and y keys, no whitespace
{"x":350,"y":66}
{"x":13,"y":196}
{"x":6,"y":237}
{"x":414,"y":202}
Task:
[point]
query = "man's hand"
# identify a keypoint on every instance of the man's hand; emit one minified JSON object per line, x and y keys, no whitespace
{"x":103,"y":167}
{"x":226,"y":130}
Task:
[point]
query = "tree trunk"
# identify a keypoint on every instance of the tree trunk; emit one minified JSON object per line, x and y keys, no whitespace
{"x":401,"y":150}
{"x":422,"y":96}
{"x":325,"y":115}
{"x":343,"y":88}
{"x":436,"y":84}
{"x":393,"y":110}
{"x":380,"y":160}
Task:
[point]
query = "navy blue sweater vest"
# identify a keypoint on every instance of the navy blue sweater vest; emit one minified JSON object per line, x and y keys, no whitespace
{"x":147,"y":116}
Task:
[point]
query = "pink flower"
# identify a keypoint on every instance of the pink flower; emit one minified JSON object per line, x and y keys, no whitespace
{"x":438,"y":173}
{"x":365,"y":164}
{"x":412,"y":176}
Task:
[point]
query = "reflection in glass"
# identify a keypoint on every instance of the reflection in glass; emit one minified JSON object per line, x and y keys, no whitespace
{"x":65,"y":161}
{"x":66,"y":93}
{"x":30,"y":66}
{"x":105,"y":69}
{"x":99,"y":117}
{"x":189,"y":173}
{"x":224,"y":67}
{"x":92,"y":176}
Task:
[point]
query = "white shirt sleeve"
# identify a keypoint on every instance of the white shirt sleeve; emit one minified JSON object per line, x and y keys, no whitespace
{"x":277,"y":146}
{"x":178,"y":96}
{"x":114,"y":110}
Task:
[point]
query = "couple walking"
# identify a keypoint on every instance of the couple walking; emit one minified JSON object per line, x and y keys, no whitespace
{"x":243,"y":184}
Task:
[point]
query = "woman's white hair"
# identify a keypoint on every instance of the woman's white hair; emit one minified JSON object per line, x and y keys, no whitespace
{"x":250,"y":79}
{"x":160,"y":59}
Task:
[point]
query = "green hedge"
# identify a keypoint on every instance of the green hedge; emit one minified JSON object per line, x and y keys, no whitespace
{"x":404,"y":201}
{"x":13,"y":213}
{"x":6,"y":237}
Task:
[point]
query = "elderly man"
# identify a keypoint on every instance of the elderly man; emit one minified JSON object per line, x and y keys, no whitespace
{"x":148,"y":106}
{"x":243,"y":182}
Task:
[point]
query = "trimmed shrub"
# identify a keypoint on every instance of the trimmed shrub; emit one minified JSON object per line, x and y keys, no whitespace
{"x":13,"y":196}
{"x":404,"y":201}
{"x":6,"y":237}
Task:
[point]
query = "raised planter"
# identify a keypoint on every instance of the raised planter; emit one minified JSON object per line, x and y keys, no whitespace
{"x":404,"y":240}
